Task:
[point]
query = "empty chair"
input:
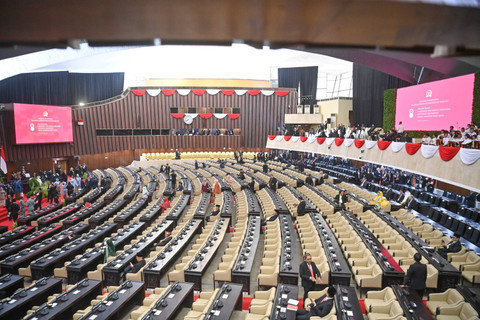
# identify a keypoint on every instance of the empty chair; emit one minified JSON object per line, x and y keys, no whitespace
{"x":448,"y":298}
{"x":381,"y":297}
{"x":386,"y":311}
{"x":464,"y":259}
{"x":461,"y":311}
{"x":471,"y":272}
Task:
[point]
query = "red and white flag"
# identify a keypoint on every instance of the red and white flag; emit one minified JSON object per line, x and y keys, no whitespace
{"x":3,"y":162}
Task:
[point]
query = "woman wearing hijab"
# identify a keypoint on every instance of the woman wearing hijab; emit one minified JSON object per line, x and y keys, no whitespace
{"x":109,"y":250}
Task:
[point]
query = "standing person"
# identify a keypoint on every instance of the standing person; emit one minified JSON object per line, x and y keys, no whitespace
{"x":3,"y":195}
{"x":205,"y":186}
{"x":64,"y":189}
{"x":38,"y":200}
{"x":30,"y":204}
{"x":251,"y":185}
{"x":309,"y":274}
{"x":22,"y":206}
{"x":173,"y":176}
{"x":309,"y":180}
{"x":196,"y":164}
{"x":8,"y":203}
{"x":71,"y":188}
{"x":14,"y":209}
{"x":416,"y":277}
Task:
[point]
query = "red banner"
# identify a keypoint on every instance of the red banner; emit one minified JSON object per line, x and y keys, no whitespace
{"x":359,"y":143}
{"x":253,"y":92}
{"x":139,"y":92}
{"x":233,"y":116}
{"x":168,"y":92}
{"x":206,"y":115}
{"x":338,"y":141}
{"x":281,"y":93}
{"x":271,"y":137}
{"x":177,"y":115}
{"x":447,"y":153}
{"x":287,"y":138}
{"x":303,"y":139}
{"x":321,"y":140}
{"x":199,"y":92}
{"x":382,"y":145}
{"x":412,"y":148}
{"x":227,"y":92}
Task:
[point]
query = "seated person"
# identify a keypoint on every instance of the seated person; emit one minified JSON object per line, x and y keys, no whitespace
{"x":320,"y":307}
{"x":134,"y":268}
{"x":380,"y":200}
{"x":214,"y":212}
{"x":452,"y":246}
{"x":341,"y":198}
{"x":263,"y":222}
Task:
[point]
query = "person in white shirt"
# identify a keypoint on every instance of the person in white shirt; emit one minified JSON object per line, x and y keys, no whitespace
{"x":400,"y":127}
{"x":426,"y":139}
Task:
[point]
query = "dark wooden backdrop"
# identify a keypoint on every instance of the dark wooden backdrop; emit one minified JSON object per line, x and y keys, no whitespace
{"x":259,"y":116}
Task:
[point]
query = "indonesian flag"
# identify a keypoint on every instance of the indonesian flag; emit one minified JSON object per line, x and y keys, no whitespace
{"x":3,"y":162}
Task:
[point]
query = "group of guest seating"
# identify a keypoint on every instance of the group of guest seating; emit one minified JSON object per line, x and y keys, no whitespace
{"x":194,"y":155}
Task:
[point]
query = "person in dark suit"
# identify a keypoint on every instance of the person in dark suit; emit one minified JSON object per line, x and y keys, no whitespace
{"x":134,"y":268}
{"x":309,"y":180}
{"x":251,"y":185}
{"x":272,"y":183}
{"x":301,"y":207}
{"x":417,"y":276}
{"x":452,"y":246}
{"x":410,"y":203}
{"x":400,"y":197}
{"x":320,"y":179}
{"x":309,"y":274}
{"x":320,"y":307}
{"x":364,"y":182}
{"x":341,"y":198}
{"x":265,"y":168}
{"x":263,"y":222}
{"x":214,"y":212}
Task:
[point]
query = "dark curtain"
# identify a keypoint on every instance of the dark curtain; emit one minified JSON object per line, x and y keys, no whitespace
{"x":60,"y":88}
{"x":306,"y":77}
{"x":368,"y":87}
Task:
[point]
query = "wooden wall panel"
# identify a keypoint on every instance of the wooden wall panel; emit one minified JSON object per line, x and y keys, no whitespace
{"x":260,"y":116}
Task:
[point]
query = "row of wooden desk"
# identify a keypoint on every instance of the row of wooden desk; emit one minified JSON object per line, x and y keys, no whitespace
{"x":58,"y":215}
{"x":27,"y":220}
{"x":84,"y":213}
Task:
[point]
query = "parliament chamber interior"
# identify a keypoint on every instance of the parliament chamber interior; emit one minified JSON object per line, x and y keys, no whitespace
{"x":267,"y":160}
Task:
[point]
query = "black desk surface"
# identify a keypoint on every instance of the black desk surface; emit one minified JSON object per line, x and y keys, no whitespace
{"x":10,"y":236}
{"x":228,"y":206}
{"x":244,"y":263}
{"x":9,"y":283}
{"x":153,"y":270}
{"x":83,"y":213}
{"x":285,"y":292}
{"x":202,"y":207}
{"x":107,"y":212}
{"x":180,"y":293}
{"x":131,"y":211}
{"x":26,"y":220}
{"x":277,"y":201}
{"x":58,"y":215}
{"x":346,"y":303}
{"x":128,"y":233}
{"x":78,"y":268}
{"x":339,"y":269}
{"x":390,"y":267}
{"x":252,"y":203}
{"x":17,"y":305}
{"x":471,"y":295}
{"x":177,"y":211}
{"x":114,"y":303}
{"x":113,"y":268}
{"x":411,"y":303}
{"x":44,"y":266}
{"x":289,"y":264}
{"x":67,"y":303}
{"x":228,"y":299}
{"x":29,"y":240}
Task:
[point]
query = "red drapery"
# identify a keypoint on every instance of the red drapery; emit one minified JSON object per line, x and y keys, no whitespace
{"x":303,"y":139}
{"x":227,"y":92}
{"x":253,"y":92}
{"x":382,"y":145}
{"x":139,"y":92}
{"x":199,"y":92}
{"x":271,"y":137}
{"x":206,"y":115}
{"x":359,"y":143}
{"x":281,"y":93}
{"x":287,"y":138}
{"x":178,"y":115}
{"x":338,"y":142}
{"x":321,"y":140}
{"x":233,"y":116}
{"x":412,"y":148}
{"x":168,"y":92}
{"x":447,"y":153}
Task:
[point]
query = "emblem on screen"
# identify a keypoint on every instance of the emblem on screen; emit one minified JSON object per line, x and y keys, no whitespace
{"x":428,"y":94}
{"x":410,"y":113}
{"x":45,"y":113}
{"x":32,"y":127}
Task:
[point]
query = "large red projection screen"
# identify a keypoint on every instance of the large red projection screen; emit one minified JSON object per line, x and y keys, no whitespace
{"x":42,"y":124}
{"x":436,"y":105}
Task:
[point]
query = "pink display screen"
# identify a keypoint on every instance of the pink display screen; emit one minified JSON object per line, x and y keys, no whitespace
{"x":436,"y":105}
{"x":42,"y":124}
